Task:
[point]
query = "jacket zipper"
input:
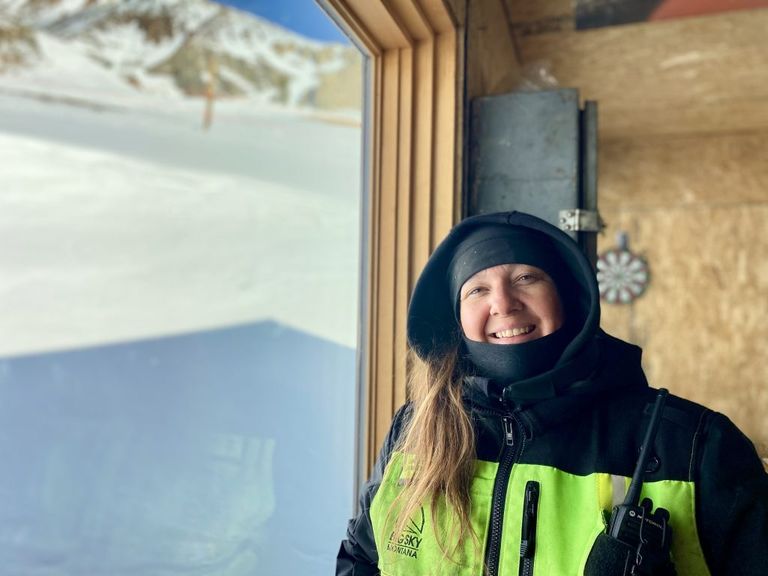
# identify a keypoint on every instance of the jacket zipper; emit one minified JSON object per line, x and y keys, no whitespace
{"x":509,"y":454}
{"x":528,"y":533}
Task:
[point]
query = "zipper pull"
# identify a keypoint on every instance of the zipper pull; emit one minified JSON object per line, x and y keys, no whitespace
{"x":509,"y":431}
{"x":528,"y":539}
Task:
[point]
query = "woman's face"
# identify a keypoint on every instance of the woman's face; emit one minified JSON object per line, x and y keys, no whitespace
{"x":509,"y":304}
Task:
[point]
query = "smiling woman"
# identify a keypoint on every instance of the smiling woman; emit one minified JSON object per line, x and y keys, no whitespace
{"x":521,"y":407}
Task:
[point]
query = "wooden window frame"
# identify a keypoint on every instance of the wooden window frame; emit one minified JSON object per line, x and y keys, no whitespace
{"x":414,"y":154}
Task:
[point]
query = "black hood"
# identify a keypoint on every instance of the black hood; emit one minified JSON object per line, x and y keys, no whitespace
{"x":433,"y":329}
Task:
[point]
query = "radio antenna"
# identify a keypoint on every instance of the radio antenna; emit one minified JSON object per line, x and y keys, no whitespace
{"x":633,"y":493}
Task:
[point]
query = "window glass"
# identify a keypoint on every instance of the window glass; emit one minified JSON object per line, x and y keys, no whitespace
{"x":180,"y":209}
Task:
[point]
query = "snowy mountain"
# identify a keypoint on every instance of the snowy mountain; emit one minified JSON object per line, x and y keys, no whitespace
{"x":168,"y":47}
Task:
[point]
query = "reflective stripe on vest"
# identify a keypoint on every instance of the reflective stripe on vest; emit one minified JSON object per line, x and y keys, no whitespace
{"x":571,"y":513}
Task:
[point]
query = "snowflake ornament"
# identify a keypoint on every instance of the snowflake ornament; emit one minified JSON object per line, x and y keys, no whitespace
{"x":621,"y":275}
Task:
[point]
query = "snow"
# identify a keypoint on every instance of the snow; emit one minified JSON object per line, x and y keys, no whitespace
{"x":44,"y":14}
{"x":259,"y":218}
{"x":65,"y":69}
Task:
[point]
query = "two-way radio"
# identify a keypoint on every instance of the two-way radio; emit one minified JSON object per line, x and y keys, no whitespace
{"x":638,"y":526}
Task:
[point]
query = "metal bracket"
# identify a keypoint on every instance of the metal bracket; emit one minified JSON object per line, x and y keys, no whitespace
{"x":576,"y":220}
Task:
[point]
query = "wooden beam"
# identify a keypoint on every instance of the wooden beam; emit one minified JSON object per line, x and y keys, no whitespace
{"x":405,"y":192}
{"x":356,"y":26}
{"x":413,"y":18}
{"x":423,"y":144}
{"x":445,"y":15}
{"x":415,"y":54}
{"x":378,"y":19}
{"x":445,"y":208}
{"x":386,"y":231}
{"x":492,"y":66}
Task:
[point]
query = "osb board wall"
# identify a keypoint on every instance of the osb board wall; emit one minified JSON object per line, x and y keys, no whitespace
{"x":683,"y":169}
{"x":693,"y":75}
{"x":697,"y":210}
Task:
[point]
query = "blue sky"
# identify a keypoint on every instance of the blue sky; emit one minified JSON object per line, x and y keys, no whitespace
{"x":302,"y":16}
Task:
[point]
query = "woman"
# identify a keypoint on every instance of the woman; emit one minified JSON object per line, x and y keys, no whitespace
{"x":524,"y":421}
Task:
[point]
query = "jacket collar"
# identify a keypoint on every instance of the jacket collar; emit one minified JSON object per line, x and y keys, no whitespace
{"x":606,"y":365}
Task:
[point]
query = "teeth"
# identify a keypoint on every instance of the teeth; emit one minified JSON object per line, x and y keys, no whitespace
{"x":513,"y":332}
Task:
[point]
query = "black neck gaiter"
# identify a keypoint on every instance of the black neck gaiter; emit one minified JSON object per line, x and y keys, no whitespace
{"x":505,"y":364}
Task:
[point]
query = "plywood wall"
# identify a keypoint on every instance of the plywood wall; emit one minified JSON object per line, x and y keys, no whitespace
{"x":694,"y":75}
{"x":697,"y":209}
{"x":684,"y":171}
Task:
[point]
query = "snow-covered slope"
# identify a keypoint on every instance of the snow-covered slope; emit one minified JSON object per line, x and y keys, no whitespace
{"x":96,"y":126}
{"x":161,"y":47}
{"x":104,"y":215}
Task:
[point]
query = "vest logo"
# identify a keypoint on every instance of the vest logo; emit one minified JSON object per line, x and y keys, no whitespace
{"x":407,"y":544}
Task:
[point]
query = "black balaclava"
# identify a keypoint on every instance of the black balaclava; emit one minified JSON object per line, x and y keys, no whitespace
{"x":491,"y":246}
{"x":485,"y":240}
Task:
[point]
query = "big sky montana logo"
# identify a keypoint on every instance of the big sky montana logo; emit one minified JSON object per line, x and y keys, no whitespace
{"x":410,"y":538}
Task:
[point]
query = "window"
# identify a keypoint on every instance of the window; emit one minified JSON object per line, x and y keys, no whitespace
{"x":180,"y":208}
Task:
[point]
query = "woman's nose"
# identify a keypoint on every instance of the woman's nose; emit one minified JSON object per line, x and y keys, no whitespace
{"x":505,"y":301}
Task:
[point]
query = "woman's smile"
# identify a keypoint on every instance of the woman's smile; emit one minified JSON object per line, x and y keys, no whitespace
{"x":513,"y":334}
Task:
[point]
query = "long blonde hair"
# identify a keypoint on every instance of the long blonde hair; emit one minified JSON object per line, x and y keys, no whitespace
{"x":439,"y":442}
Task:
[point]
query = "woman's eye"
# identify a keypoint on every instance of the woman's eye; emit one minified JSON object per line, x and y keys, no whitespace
{"x":473,"y":291}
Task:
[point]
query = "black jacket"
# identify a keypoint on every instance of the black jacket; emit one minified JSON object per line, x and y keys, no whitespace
{"x":599,"y":427}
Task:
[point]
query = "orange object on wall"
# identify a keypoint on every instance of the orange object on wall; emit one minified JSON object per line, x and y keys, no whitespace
{"x":682,"y":8}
